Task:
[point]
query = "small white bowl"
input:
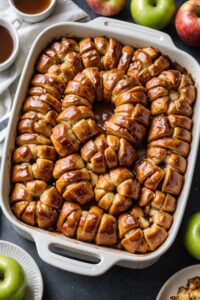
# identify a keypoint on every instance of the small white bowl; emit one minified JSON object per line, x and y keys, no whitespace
{"x":10,"y":60}
{"x":33,"y":275}
{"x":179,"y":279}
{"x":33,"y":18}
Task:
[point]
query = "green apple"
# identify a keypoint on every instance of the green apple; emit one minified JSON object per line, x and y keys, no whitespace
{"x":13,"y":282}
{"x":192,"y":235}
{"x":153,"y":13}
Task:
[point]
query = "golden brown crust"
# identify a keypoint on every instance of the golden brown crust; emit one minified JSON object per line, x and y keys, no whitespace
{"x":110,"y":79}
{"x":69,"y":218}
{"x":127,"y":128}
{"x":72,"y":99}
{"x":119,"y":181}
{"x":56,"y":54}
{"x":49,"y":118}
{"x":27,"y":125}
{"x":107,"y":152}
{"x":68,"y":163}
{"x":146,"y":63}
{"x":36,"y":203}
{"x":126,"y":222}
{"x":96,"y":79}
{"x":64,"y":140}
{"x":155,"y":236}
{"x":130,"y":116}
{"x":29,"y":153}
{"x":42,"y":103}
{"x":112,"y":55}
{"x":132,"y":240}
{"x":41,"y":169}
{"x":107,"y":231}
{"x":53,"y":84}
{"x":76,"y":186}
{"x":172,"y":93}
{"x":76,"y":88}
{"x":126,"y":56}
{"x":101,"y":44}
{"x":175,"y":145}
{"x":89,"y":223}
{"x":115,"y":191}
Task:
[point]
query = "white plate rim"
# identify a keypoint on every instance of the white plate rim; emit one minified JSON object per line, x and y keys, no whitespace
{"x":29,"y":258}
{"x":184,"y":273}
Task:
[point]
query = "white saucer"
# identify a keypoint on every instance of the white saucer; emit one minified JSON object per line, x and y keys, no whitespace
{"x":179,"y":279}
{"x":33,"y":275}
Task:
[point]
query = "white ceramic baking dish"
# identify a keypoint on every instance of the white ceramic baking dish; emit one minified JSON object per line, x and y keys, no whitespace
{"x":97,"y":260}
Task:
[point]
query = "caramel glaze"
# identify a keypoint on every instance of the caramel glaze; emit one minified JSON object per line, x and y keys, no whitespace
{"x":103,"y":112}
{"x":149,"y":101}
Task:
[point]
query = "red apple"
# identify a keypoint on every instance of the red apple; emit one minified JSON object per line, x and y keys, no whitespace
{"x":107,"y":7}
{"x":188,"y":22}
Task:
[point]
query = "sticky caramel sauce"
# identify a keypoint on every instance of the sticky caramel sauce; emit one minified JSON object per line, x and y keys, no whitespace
{"x":103,"y":112}
{"x":32,"y":6}
{"x":6,"y":43}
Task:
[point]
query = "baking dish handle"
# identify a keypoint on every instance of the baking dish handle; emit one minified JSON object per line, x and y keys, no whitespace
{"x":44,"y":247}
{"x":147,"y":33}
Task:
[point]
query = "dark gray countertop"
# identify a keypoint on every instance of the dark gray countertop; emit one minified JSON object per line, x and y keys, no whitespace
{"x":117,"y":283}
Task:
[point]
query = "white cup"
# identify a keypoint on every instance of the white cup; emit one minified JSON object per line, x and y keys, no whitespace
{"x":10,"y":60}
{"x":33,"y":18}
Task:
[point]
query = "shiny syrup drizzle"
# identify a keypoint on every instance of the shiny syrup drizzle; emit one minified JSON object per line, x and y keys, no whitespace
{"x":6,"y":44}
{"x":32,"y":6}
{"x":103,"y":112}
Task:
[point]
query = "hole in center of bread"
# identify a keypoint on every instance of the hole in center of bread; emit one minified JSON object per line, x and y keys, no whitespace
{"x":103,"y":112}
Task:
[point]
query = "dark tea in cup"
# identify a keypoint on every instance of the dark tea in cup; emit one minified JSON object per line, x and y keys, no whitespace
{"x":31,"y":6}
{"x":7,"y":44}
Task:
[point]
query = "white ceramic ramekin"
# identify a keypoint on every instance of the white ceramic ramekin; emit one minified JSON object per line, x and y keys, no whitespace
{"x":97,"y":259}
{"x":10,"y":27}
{"x":33,"y":18}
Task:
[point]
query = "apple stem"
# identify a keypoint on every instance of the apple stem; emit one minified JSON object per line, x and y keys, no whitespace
{"x":154,"y":3}
{"x":198,"y":11}
{"x":1,"y":276}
